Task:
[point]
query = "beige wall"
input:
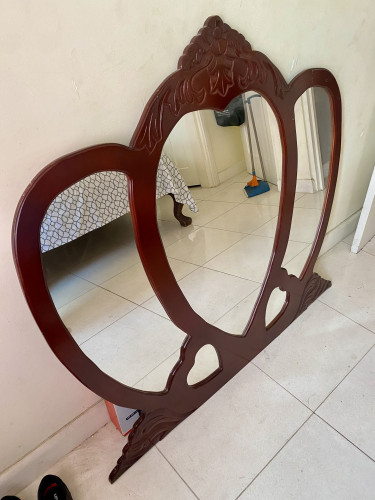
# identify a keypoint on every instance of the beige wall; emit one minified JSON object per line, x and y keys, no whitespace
{"x":226,"y":143}
{"x":78,"y":73}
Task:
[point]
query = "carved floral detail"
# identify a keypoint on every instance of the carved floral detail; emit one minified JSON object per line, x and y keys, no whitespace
{"x":147,"y":431}
{"x":215,"y":60}
{"x":314,"y":287}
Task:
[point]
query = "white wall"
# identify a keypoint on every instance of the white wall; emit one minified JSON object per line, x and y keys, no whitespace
{"x":226,"y":146}
{"x":78,"y":73}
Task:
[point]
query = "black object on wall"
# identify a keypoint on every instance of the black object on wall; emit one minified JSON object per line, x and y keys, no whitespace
{"x":233,"y":114}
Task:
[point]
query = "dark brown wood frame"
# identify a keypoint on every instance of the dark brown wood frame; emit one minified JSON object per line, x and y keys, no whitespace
{"x":216,"y":66}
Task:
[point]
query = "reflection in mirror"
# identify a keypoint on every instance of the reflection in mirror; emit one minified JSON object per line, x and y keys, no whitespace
{"x":98,"y":283}
{"x":92,"y":266}
{"x":314,"y":132}
{"x":225,"y":244}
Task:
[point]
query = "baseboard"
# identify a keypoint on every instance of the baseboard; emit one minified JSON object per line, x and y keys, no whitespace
{"x":229,"y":172}
{"x":302,"y":186}
{"x":338,"y":233}
{"x":35,"y":463}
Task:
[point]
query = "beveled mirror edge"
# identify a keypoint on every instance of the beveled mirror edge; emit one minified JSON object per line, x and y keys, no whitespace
{"x":192,"y":87}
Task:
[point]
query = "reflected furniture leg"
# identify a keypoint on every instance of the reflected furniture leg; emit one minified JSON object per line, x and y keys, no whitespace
{"x":184,"y":220}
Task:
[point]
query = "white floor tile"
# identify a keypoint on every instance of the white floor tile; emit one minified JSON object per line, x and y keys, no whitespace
{"x":156,"y":379}
{"x":221,"y":447}
{"x":249,"y":258}
{"x":237,"y":318}
{"x":66,"y":287}
{"x":199,"y":193}
{"x":315,"y":353}
{"x":245,"y":218}
{"x":103,"y":253}
{"x":106,"y":263}
{"x":172,"y":231}
{"x":134,"y":285}
{"x":85,"y":471}
{"x":92,"y":312}
{"x":351,"y":407}
{"x":133,"y":346}
{"x":353,"y":283}
{"x":206,"y":363}
{"x":304,"y":225}
{"x":203,"y":244}
{"x":210,"y":293}
{"x":233,"y":193}
{"x":295,"y":265}
{"x":311,"y":200}
{"x":370,"y":247}
{"x":209,"y":210}
{"x":317,"y":463}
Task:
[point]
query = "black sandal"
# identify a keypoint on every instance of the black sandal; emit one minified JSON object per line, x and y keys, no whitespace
{"x":53,"y":488}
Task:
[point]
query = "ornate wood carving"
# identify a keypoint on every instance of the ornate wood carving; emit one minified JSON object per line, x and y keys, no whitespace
{"x":147,"y":431}
{"x":314,"y":287}
{"x":215,"y":67}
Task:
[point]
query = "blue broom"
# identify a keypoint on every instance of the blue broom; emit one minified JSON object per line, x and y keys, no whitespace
{"x":255,"y":186}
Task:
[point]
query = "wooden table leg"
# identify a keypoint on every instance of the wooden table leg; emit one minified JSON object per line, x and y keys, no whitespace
{"x":184,"y":220}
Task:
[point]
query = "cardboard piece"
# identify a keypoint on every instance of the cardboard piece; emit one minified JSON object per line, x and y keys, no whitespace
{"x":122,"y":418}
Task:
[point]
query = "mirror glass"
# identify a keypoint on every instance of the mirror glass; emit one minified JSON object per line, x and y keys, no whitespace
{"x":314,"y":133}
{"x":98,"y":284}
{"x":225,"y":244}
{"x":217,"y":236}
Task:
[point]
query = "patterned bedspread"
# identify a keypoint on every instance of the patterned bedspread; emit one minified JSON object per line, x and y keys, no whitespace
{"x":100,"y":199}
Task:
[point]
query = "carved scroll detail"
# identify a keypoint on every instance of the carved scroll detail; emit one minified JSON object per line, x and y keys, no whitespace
{"x":314,"y":287}
{"x":147,"y":431}
{"x":215,"y":60}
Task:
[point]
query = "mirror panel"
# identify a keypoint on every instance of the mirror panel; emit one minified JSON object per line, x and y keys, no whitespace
{"x":97,"y":280}
{"x":230,"y":258}
{"x":98,"y":283}
{"x":314,"y":133}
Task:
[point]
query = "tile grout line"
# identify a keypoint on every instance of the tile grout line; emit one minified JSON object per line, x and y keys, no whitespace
{"x":274,"y":456}
{"x":347,"y":317}
{"x":343,"y":436}
{"x":314,"y":412}
{"x":341,"y":381}
{"x":280,"y":385}
{"x":335,"y":387}
{"x":153,"y":369}
{"x":231,"y":309}
{"x":176,"y":471}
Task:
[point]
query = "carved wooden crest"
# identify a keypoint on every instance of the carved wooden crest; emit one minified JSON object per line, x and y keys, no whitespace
{"x":216,"y":66}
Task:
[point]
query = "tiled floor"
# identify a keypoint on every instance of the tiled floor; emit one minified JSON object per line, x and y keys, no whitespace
{"x":296,"y":423}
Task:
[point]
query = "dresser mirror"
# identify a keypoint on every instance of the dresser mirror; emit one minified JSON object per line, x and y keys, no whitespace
{"x":154,"y":306}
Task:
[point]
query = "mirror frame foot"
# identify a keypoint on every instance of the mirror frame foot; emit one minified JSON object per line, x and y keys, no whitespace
{"x":149,"y":429}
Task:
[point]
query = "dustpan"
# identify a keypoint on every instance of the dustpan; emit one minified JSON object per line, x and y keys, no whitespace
{"x":255,"y":186}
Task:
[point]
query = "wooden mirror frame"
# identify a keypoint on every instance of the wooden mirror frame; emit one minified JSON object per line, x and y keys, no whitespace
{"x":216,"y":66}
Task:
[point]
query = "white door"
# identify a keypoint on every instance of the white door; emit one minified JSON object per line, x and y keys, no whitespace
{"x":180,"y":147}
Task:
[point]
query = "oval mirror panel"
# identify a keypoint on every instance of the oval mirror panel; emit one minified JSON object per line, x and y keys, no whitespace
{"x":314,"y":135}
{"x":231,"y":238}
{"x":98,"y":284}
